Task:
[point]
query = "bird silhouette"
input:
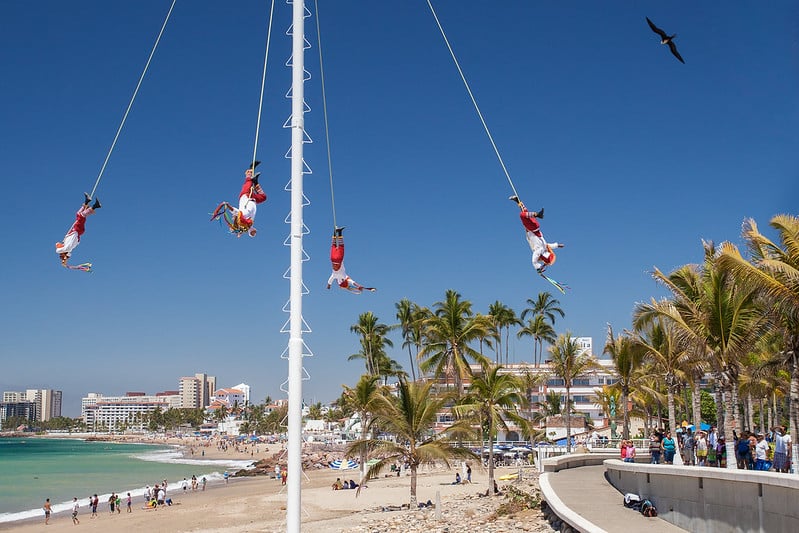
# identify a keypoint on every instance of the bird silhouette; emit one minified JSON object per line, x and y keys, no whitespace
{"x":666,"y":39}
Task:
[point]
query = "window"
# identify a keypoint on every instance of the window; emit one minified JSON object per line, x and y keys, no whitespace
{"x":556,"y":382}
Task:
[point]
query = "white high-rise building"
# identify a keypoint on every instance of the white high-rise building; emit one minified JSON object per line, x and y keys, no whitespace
{"x":244,"y":388}
{"x":115,"y":413}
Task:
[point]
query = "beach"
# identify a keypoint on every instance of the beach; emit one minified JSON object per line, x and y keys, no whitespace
{"x":258,"y":503}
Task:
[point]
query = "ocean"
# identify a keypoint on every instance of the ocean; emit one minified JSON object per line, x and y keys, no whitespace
{"x":32,"y":469}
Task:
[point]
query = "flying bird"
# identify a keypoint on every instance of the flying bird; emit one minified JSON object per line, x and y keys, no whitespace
{"x":666,"y":39}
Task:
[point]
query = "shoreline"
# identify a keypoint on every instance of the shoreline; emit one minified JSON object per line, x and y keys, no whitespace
{"x":258,"y":503}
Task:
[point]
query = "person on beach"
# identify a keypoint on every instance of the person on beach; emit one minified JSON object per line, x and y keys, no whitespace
{"x":119,"y":504}
{"x":543,"y":256}
{"x":130,"y":502}
{"x":47,"y":509}
{"x":339,"y":275}
{"x":72,"y":238}
{"x":112,"y":501}
{"x":204,"y":482}
{"x":75,"y":507}
{"x":95,"y":503}
{"x":226,"y":475}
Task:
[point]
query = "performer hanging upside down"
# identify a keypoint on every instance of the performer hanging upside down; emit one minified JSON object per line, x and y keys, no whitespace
{"x":339,"y":274}
{"x":543,"y":256}
{"x":251,"y":195}
{"x":72,"y":238}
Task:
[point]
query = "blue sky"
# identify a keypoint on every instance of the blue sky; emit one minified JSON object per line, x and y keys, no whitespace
{"x":636,"y":157}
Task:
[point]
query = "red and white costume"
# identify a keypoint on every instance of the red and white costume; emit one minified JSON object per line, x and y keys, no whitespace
{"x":542,"y":251}
{"x":251,"y":195}
{"x":72,"y":238}
{"x":339,"y":274}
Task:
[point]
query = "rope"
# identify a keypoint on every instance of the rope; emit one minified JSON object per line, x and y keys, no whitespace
{"x":474,"y":102}
{"x":324,"y":108}
{"x":263,"y":84}
{"x":133,"y":98}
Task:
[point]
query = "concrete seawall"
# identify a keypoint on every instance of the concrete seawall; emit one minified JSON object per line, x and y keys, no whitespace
{"x":705,"y":499}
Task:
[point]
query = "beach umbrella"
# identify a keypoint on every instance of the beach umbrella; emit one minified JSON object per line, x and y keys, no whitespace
{"x":343,"y":464}
{"x":520,"y":449}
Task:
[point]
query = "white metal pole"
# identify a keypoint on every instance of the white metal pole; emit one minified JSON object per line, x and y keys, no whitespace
{"x":294,"y":492}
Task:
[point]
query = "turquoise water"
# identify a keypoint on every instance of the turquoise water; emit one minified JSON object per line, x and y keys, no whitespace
{"x":33,"y":469}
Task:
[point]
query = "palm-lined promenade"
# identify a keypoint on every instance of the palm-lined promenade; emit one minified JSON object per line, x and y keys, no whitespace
{"x":721,"y":350}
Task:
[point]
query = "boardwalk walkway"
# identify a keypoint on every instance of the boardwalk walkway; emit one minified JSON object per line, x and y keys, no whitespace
{"x":587,"y":493}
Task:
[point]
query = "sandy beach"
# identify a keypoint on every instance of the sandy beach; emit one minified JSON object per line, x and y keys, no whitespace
{"x":259,"y":504}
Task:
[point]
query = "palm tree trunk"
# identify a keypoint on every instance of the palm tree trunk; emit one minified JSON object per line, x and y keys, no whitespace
{"x":719,"y":403}
{"x":414,"y":466}
{"x":762,"y":415}
{"x":696,"y":400}
{"x":687,"y":403}
{"x":672,"y":414}
{"x":569,"y":419}
{"x":413,"y":367}
{"x":736,"y":420}
{"x":507,"y":341}
{"x":774,"y":416}
{"x":794,"y":408}
{"x":490,"y":459}
{"x":750,"y":408}
{"x":362,"y":454}
{"x":729,"y":427}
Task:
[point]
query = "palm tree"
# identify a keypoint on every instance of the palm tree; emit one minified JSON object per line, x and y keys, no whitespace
{"x":627,"y":356}
{"x":569,"y":361}
{"x":488,"y":334}
{"x":605,"y":397}
{"x":406,"y":318}
{"x":410,"y":415}
{"x":551,"y":406}
{"x":541,"y":331}
{"x":373,"y":342}
{"x":493,"y":398}
{"x":220,"y":413}
{"x":315,"y":411}
{"x":503,"y":317}
{"x":531,"y":383}
{"x":774,"y":271}
{"x":448,"y":333}
{"x":669,"y":357}
{"x":362,"y":399}
{"x":544,"y":305}
{"x":719,"y":317}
